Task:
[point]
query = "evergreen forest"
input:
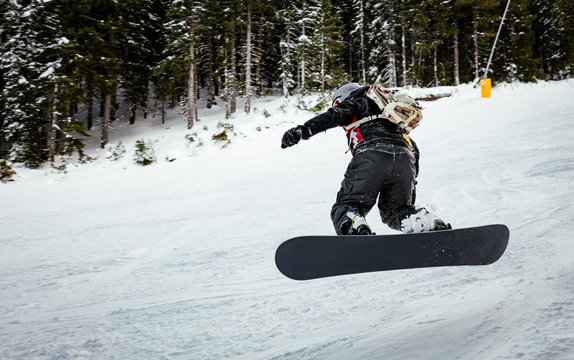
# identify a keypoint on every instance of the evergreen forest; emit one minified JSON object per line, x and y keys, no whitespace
{"x":60,"y":56}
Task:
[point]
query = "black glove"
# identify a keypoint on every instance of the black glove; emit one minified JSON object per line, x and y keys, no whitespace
{"x":294,"y":135}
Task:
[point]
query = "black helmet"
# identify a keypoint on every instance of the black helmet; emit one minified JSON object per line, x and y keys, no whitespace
{"x":343,"y":93}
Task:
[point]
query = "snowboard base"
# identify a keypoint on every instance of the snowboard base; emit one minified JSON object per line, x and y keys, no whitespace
{"x":312,"y":257}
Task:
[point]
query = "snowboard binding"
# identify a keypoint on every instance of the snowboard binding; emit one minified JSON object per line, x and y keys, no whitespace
{"x":356,"y":226}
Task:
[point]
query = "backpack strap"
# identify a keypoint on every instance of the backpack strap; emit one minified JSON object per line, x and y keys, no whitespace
{"x":408,"y":139}
{"x":374,"y":117}
{"x":362,"y":121}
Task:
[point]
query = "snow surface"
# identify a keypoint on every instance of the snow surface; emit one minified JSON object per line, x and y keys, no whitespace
{"x":175,"y":260}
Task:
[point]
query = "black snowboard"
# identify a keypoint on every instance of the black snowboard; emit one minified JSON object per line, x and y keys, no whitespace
{"x":311,"y":257}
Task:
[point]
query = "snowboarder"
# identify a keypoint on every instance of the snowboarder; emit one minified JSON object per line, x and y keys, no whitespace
{"x":385,"y":160}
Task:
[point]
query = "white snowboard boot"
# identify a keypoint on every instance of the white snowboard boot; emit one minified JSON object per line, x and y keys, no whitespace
{"x":423,"y":221}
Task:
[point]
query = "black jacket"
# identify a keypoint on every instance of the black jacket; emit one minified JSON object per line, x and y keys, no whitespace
{"x":376,"y":135}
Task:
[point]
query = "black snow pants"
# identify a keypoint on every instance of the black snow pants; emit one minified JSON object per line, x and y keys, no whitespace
{"x":371,"y":175}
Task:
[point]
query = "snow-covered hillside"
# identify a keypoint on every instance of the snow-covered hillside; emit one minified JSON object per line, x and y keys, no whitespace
{"x":175,"y":260}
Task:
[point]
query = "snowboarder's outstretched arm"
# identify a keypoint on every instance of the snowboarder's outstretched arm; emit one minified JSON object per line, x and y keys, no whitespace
{"x":341,"y":115}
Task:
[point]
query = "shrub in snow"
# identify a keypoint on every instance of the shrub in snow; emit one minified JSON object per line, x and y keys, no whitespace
{"x":6,"y":171}
{"x":222,"y":136}
{"x":61,"y":168}
{"x":191,"y":137}
{"x":321,"y":104}
{"x":117,"y":152}
{"x":144,"y":154}
{"x":225,"y":126}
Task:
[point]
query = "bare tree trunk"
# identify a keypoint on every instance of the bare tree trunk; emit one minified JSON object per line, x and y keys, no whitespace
{"x":114,"y":107}
{"x":102,"y":107}
{"x":145,"y":100}
{"x":362,"y":39}
{"x":350,"y":70}
{"x":456,"y":61}
{"x":435,"y":66}
{"x":259,"y":61}
{"x":227,"y":88}
{"x":106,"y":120}
{"x":248,"y":63}
{"x":233,"y":74}
{"x":287,"y":56}
{"x":404,"y":55}
{"x":133,"y":108}
{"x":421,"y":53}
{"x":196,"y":91}
{"x":475,"y":42}
{"x":52,"y":129}
{"x":302,"y":65}
{"x":52,"y":138}
{"x":392,"y":62}
{"x":413,"y":62}
{"x":210,"y":82}
{"x":90,"y":104}
{"x":323,"y":50}
{"x":90,"y":119}
{"x":191,"y":95}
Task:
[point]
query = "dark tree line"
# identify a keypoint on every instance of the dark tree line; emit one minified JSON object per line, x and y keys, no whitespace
{"x":62,"y":55}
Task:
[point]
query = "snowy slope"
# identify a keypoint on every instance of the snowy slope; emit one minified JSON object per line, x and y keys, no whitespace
{"x":175,"y":260}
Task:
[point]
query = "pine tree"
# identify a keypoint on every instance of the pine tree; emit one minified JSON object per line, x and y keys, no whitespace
{"x":287,"y":45}
{"x":95,"y":30}
{"x":231,"y":25}
{"x":359,"y":33}
{"x":354,"y":23}
{"x":22,"y":124}
{"x":304,"y":48}
{"x":319,"y":46}
{"x":267,"y":52}
{"x":59,"y":54}
{"x":444,"y":36}
{"x":178,"y":69}
{"x":169,"y":72}
{"x":140,"y":48}
{"x":554,"y":37}
{"x":248,"y":57}
{"x":513,"y":57}
{"x":191,"y":101}
{"x":383,"y":59}
{"x":327,"y":37}
{"x":4,"y":11}
{"x":480,"y":20}
{"x":421,"y":36}
{"x":210,"y":35}
{"x":47,"y":88}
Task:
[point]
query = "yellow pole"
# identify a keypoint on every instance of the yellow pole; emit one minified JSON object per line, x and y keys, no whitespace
{"x":485,"y":87}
